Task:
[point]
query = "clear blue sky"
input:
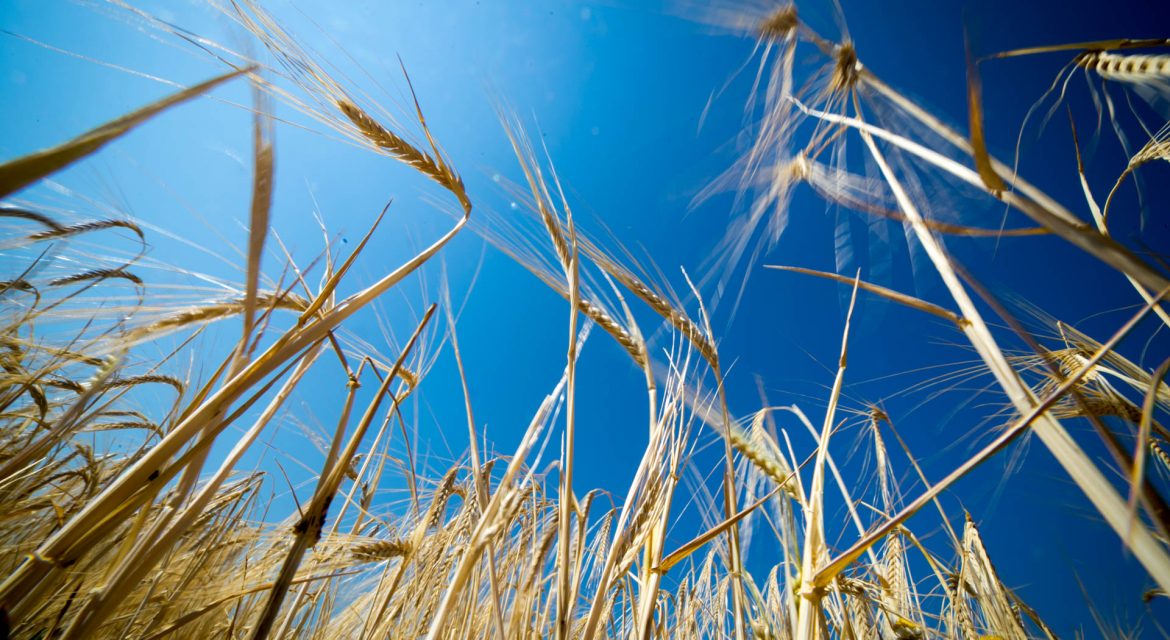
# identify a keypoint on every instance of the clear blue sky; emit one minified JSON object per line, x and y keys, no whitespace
{"x":615,"y":91}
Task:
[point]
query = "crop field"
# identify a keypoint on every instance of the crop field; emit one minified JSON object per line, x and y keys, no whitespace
{"x":731,"y":319}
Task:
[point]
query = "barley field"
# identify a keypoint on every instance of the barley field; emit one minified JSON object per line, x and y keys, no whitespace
{"x":728,"y":319}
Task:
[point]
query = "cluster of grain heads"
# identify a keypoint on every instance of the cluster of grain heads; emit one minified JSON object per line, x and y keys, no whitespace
{"x":850,"y":100}
{"x":128,"y":543}
{"x":569,"y":246}
{"x":145,"y":510}
{"x":888,"y":601}
{"x":53,"y":388}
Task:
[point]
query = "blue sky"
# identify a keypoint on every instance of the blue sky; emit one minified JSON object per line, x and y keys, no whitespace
{"x":615,"y":92}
